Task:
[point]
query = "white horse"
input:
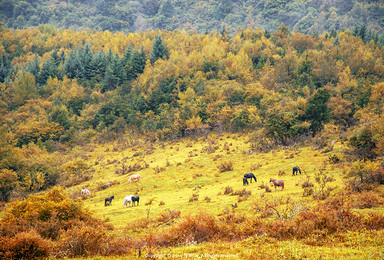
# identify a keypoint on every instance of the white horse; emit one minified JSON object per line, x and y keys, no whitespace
{"x":135,"y":177}
{"x":85,"y":192}
{"x":128,"y":200}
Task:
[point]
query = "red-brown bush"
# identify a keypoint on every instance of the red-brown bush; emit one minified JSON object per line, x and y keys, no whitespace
{"x":25,"y":245}
{"x":367,"y":200}
{"x":82,"y":240}
{"x":196,"y":229}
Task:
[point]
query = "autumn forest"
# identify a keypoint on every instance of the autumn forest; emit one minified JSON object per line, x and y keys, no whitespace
{"x":66,"y":91}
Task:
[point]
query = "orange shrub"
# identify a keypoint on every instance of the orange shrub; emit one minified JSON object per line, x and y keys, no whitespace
{"x":366,"y":200}
{"x":83,"y":241}
{"x":192,"y":230}
{"x":25,"y":245}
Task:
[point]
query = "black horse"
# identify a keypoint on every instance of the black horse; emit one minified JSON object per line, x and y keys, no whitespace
{"x":135,"y":199}
{"x":109,"y":200}
{"x":249,"y":176}
{"x":295,"y":170}
{"x":245,"y":181}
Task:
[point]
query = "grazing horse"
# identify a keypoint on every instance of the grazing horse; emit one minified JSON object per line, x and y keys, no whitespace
{"x":250,"y":176}
{"x":135,"y":199}
{"x":277,"y":183}
{"x":109,"y":200}
{"x":128,"y":200}
{"x":245,"y":181}
{"x":85,"y":192}
{"x":295,"y":170}
{"x":135,"y":177}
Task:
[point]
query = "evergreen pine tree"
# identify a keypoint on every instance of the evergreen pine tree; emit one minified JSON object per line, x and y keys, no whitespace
{"x":126,"y":62}
{"x":159,"y":51}
{"x":117,"y":69}
{"x":99,"y":64}
{"x":62,"y":56}
{"x":110,"y":80}
{"x":55,"y":58}
{"x":48,"y":69}
{"x":5,"y":67}
{"x":34,"y":66}
{"x":317,"y":111}
{"x":127,"y":55}
{"x":138,"y":62}
{"x":86,"y":56}
{"x":73,"y":67}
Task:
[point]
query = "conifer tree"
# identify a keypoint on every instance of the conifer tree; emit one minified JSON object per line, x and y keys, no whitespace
{"x":34,"y":66}
{"x":117,"y":69}
{"x":99,"y":64}
{"x":138,"y":62}
{"x":317,"y":111}
{"x":86,"y":56}
{"x":110,"y":80}
{"x":159,"y":51}
{"x":73,"y":67}
{"x":48,"y":69}
{"x":5,"y":67}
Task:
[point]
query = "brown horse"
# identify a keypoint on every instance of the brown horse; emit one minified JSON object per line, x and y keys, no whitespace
{"x":279,"y":183}
{"x":135,"y":177}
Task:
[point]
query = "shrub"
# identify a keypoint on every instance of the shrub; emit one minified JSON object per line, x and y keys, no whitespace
{"x":334,"y":158}
{"x":194,"y":229}
{"x":265,"y":186}
{"x":53,"y":216}
{"x":308,"y":192}
{"x":225,"y":166}
{"x":243,"y":194}
{"x":366,"y":200}
{"x":255,"y":166}
{"x":194,"y":197}
{"x":25,"y":245}
{"x":8,"y":180}
{"x":307,"y":184}
{"x":83,"y":241}
{"x":228,"y":190}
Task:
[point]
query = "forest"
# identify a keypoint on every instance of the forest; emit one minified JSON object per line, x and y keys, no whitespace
{"x":313,"y":16}
{"x":66,"y":92}
{"x":60,"y":87}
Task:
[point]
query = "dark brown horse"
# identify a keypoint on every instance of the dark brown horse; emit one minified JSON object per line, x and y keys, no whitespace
{"x":279,"y":183}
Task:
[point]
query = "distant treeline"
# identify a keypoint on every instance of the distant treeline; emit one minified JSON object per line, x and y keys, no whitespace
{"x":313,"y":16}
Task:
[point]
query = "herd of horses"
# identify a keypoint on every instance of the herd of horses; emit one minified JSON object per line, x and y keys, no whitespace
{"x":276,"y":183}
{"x":136,"y":178}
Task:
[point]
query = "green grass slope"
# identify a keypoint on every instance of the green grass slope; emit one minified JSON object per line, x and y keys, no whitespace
{"x":171,"y":171}
{"x":174,"y":170}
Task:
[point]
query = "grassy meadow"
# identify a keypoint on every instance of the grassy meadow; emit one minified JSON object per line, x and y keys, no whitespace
{"x":173,"y":173}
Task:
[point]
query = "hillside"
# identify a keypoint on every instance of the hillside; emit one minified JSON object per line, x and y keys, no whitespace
{"x":316,"y":215}
{"x":186,"y":110}
{"x":313,"y":16}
